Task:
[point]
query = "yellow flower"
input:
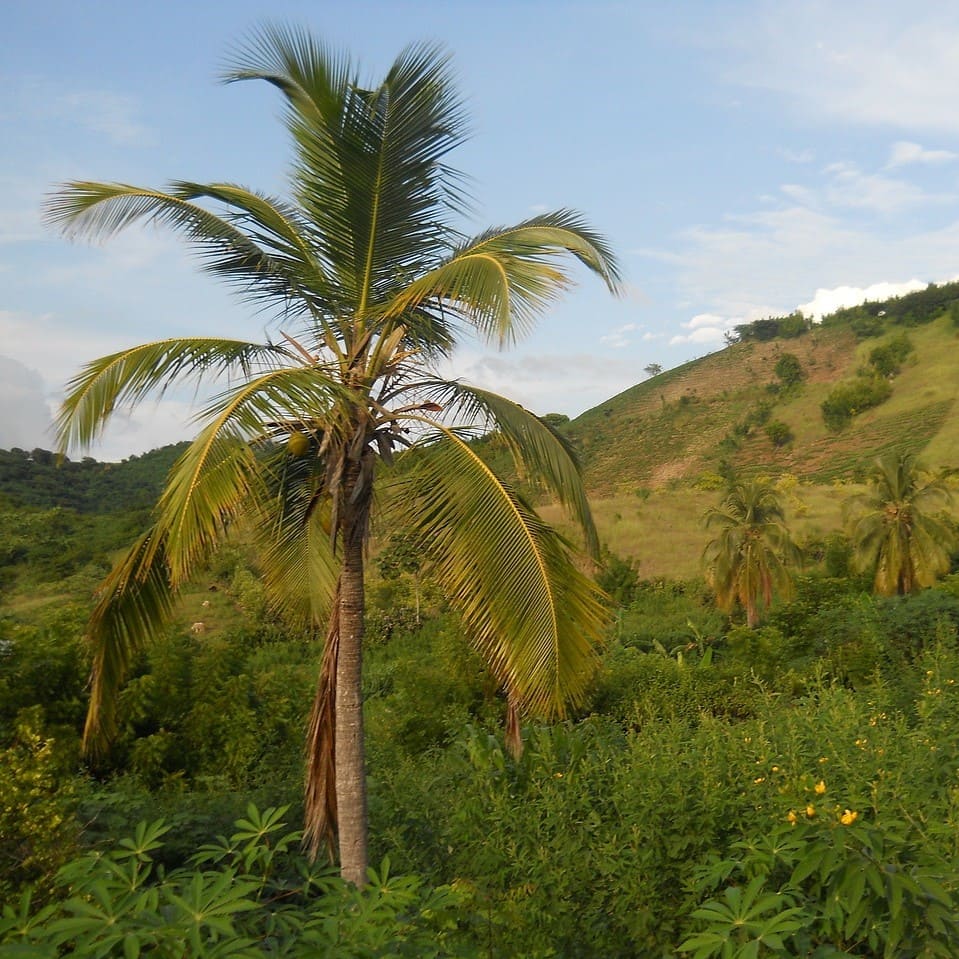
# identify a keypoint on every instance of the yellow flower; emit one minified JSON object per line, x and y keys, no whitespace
{"x":810,"y":810}
{"x":759,"y":779}
{"x":820,"y":787}
{"x":848,"y":817}
{"x":792,"y":817}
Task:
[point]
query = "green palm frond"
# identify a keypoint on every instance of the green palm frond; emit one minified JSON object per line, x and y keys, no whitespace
{"x":255,"y":247}
{"x":534,"y":615}
{"x":541,"y":454}
{"x":127,"y":377}
{"x":216,"y":477}
{"x":292,"y":523}
{"x":899,"y":528}
{"x":135,"y":604}
{"x":206,"y":489}
{"x":367,"y":170}
{"x":501,"y":281}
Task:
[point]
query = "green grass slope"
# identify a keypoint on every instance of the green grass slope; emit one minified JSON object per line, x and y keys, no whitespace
{"x":675,"y":427}
{"x":653,"y":454}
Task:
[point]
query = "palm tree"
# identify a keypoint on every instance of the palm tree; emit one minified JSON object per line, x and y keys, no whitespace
{"x":748,"y":560}
{"x":899,"y":528}
{"x":370,"y":284}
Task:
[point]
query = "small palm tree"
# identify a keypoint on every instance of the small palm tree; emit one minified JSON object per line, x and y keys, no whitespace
{"x":748,"y":560}
{"x":371,"y":284}
{"x":899,"y":528}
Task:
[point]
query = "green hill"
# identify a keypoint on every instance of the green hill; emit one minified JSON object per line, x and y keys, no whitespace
{"x":41,"y":479}
{"x":690,"y":421}
{"x":654,"y":455}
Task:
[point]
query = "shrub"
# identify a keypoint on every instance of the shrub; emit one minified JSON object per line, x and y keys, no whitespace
{"x":779,"y":433}
{"x":887,"y":359}
{"x":789,"y":370}
{"x":852,"y":397}
{"x":37,"y":829}
{"x":251,"y":895}
{"x":821,"y":885}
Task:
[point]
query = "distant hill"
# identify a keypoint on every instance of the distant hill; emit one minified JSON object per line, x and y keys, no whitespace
{"x":732,"y":409}
{"x":40,"y":479}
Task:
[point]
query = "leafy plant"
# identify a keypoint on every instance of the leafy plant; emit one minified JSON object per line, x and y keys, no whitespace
{"x":249,"y":895}
{"x":852,"y":397}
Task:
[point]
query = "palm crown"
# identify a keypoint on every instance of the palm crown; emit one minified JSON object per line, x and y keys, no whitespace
{"x":747,"y":561}
{"x":899,"y":528}
{"x":370,"y":285}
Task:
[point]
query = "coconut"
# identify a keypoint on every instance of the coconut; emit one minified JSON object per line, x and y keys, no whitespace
{"x":298,"y":444}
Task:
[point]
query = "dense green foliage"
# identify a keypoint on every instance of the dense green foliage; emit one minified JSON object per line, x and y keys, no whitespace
{"x":44,"y":480}
{"x":852,"y":397}
{"x":777,"y":786}
{"x":912,"y":309}
{"x":887,"y":359}
{"x":774,"y":327}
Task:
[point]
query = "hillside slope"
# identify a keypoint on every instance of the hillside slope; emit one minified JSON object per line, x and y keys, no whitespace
{"x":675,"y":427}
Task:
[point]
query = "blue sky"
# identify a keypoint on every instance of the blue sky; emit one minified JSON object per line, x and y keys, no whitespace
{"x":744,"y":159}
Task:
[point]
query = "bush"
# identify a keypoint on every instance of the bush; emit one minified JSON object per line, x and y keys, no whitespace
{"x":37,"y":829}
{"x":848,"y":399}
{"x":251,"y":895}
{"x":789,"y":370}
{"x":887,"y":360}
{"x":779,"y":433}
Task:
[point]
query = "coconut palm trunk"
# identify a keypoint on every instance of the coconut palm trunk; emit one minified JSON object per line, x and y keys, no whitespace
{"x":349,"y":750}
{"x":371,"y":285}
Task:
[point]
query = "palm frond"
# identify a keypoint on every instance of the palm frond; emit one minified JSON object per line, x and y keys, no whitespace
{"x":134,"y":606}
{"x":368,"y":171}
{"x":257,"y":247}
{"x":293,"y":526}
{"x":540,"y":452}
{"x":215,"y":478}
{"x":503,"y":280}
{"x":535,"y":617}
{"x":127,"y":377}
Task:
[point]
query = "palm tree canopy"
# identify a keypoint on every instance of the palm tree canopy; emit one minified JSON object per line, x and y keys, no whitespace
{"x":747,"y":561}
{"x":899,"y":528}
{"x":368,"y":282}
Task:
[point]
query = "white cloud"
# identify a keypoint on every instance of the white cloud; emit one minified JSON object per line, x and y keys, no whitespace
{"x":846,"y":186}
{"x":25,"y":415}
{"x":547,"y":382}
{"x":705,"y":321}
{"x":828,"y":301}
{"x":797,"y":156}
{"x":101,"y":111}
{"x":850,"y":187}
{"x":904,"y":152}
{"x":617,"y":338}
{"x":706,"y":328}
{"x":877,"y":63}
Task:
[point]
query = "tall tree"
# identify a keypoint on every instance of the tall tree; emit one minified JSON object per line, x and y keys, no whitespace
{"x":748,"y":561}
{"x":899,"y":528}
{"x":371,"y":284}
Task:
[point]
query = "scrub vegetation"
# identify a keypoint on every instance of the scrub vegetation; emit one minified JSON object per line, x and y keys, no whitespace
{"x":737,"y":737}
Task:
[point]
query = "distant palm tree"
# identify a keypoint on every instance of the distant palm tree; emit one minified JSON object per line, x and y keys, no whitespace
{"x":372,"y":284}
{"x":748,"y":560}
{"x":899,"y":528}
